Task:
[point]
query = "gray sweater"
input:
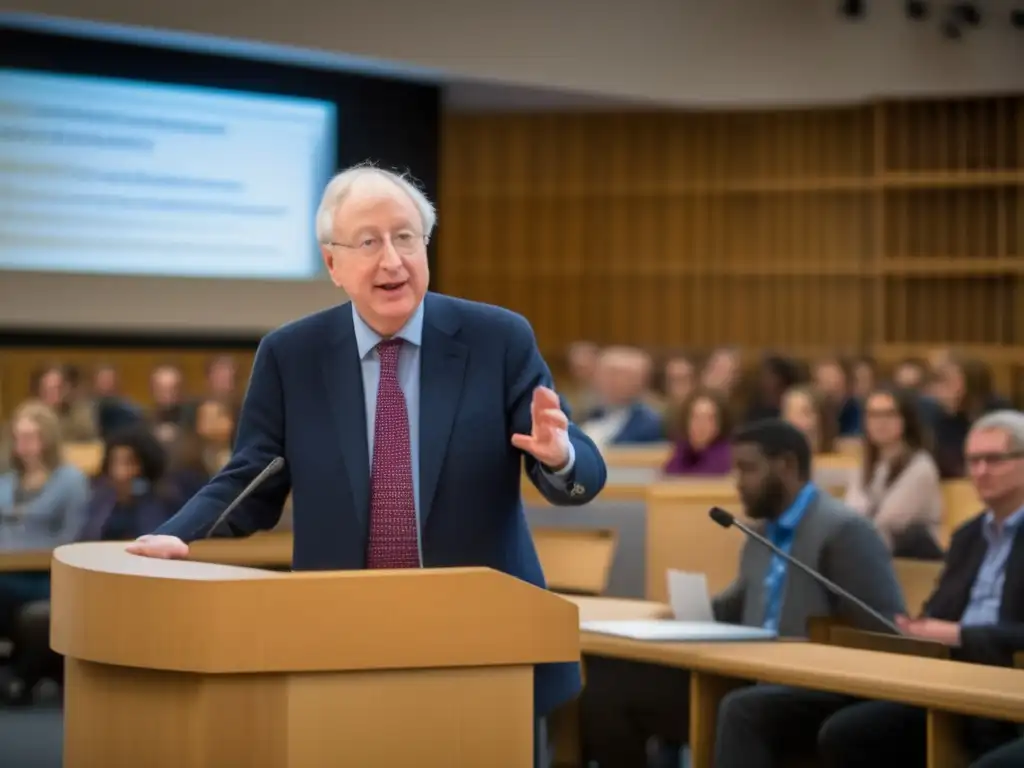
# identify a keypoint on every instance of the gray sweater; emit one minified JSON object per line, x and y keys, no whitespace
{"x":45,"y":519}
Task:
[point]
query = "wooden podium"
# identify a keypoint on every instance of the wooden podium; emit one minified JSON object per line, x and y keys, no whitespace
{"x":184,"y":664}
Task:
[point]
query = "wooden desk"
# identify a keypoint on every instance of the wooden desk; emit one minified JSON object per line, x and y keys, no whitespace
{"x":680,"y":535}
{"x":946,"y":689}
{"x":616,"y":608}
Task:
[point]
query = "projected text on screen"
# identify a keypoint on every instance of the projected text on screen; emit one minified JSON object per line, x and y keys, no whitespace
{"x":116,"y":176}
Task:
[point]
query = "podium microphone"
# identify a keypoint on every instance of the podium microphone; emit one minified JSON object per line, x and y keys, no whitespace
{"x":276,"y":465}
{"x":726,"y":519}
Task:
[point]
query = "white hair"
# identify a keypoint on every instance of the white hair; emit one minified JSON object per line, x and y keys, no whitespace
{"x":1007,"y":421}
{"x":341,"y":185}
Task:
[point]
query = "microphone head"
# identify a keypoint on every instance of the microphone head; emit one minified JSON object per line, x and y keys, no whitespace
{"x":276,"y":465}
{"x":720,"y":516}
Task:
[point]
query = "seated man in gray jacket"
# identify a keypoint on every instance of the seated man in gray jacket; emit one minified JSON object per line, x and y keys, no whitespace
{"x":625,"y":703}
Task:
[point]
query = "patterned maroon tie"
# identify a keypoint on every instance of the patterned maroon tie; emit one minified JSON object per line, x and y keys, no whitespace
{"x":393,"y":542}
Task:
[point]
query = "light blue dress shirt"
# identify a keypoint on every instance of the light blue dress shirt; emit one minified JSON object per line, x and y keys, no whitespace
{"x":781,"y":533}
{"x":987,"y":590}
{"x":411,"y":333}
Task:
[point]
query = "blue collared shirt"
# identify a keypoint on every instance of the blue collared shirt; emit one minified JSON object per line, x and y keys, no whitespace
{"x":367,"y":340}
{"x":987,"y":590}
{"x":781,"y":533}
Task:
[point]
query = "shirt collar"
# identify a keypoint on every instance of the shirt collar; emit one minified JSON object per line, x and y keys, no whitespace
{"x":1010,"y":525}
{"x":367,"y":338}
{"x":789,"y":519}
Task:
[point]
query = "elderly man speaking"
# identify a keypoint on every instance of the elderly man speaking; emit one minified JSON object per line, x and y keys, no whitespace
{"x":403,"y":417}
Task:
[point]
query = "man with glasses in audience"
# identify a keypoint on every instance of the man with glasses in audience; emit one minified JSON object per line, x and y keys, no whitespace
{"x":977,"y":609}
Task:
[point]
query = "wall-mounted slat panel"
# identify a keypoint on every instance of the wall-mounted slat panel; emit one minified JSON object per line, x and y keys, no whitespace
{"x":886,"y":227}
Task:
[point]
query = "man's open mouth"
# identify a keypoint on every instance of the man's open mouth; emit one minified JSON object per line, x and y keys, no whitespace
{"x":391,"y":287}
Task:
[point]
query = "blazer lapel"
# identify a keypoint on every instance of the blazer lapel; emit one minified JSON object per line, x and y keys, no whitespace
{"x":344,"y":380}
{"x":442,"y":372}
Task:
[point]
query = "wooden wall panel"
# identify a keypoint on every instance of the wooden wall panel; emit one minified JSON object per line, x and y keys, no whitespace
{"x":886,"y":228}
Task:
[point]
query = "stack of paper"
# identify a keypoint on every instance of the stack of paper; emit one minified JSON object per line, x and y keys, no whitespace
{"x":659,"y":630}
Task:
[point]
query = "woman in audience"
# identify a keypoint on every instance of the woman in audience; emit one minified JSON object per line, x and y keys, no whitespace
{"x":833,"y":380}
{"x":899,"y":486}
{"x":42,"y":500}
{"x":704,"y":428}
{"x":809,"y":411}
{"x":215,"y":425}
{"x":130,"y":498}
{"x":963,"y":390}
{"x":197,"y":455}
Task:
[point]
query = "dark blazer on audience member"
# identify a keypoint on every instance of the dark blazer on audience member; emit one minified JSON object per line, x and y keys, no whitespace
{"x":994,"y":644}
{"x":840,"y":544}
{"x":642,"y":426}
{"x":144,"y":513}
{"x":479,"y":367}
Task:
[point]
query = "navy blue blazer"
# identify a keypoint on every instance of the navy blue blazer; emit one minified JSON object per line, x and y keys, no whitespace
{"x":479,"y":367}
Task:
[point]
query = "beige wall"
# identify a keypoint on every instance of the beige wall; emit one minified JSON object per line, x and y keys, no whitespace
{"x":37,"y":301}
{"x":688,"y":52}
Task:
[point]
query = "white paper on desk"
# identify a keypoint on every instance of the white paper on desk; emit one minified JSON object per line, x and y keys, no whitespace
{"x":657,"y":630}
{"x":688,"y":596}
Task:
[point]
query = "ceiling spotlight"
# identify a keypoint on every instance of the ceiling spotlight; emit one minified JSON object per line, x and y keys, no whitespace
{"x":917,"y":10}
{"x":852,"y":9}
{"x":967,"y":13}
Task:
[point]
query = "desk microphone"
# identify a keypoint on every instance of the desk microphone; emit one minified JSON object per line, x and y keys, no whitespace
{"x":276,"y":465}
{"x":726,"y":519}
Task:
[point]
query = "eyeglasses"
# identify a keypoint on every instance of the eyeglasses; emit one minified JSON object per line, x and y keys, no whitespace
{"x":405,"y":242}
{"x":992,"y":459}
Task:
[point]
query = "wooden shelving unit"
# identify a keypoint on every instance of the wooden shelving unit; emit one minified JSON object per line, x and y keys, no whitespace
{"x":890,"y":228}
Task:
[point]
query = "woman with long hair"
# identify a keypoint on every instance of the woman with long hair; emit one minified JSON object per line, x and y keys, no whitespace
{"x":898,"y":487}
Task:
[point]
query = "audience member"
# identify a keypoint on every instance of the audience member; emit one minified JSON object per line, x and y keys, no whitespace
{"x":131,"y":496}
{"x":106,"y":382}
{"x":704,"y":427}
{"x":899,"y":488}
{"x":833,"y":381}
{"x":53,"y":387}
{"x":170,"y":412}
{"x":811,"y":412}
{"x":911,"y":374}
{"x":775,"y":376}
{"x":222,"y":379}
{"x":620,"y":380}
{"x":863,"y":376}
{"x":42,"y":501}
{"x":678,"y":381}
{"x":580,"y":394}
{"x":625,"y":703}
{"x":964,"y":391}
{"x":977,"y":609}
{"x":722,"y":371}
{"x":41,"y":498}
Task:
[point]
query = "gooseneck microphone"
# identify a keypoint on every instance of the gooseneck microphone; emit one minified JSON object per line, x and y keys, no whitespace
{"x":275,"y":466}
{"x":727,"y":519}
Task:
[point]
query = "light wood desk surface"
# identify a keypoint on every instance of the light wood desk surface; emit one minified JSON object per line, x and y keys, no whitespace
{"x":970,"y":689}
{"x":261,"y":550}
{"x":947,"y":690}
